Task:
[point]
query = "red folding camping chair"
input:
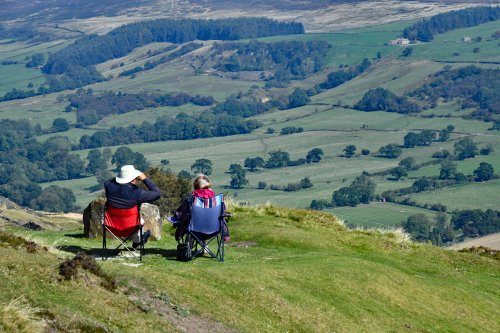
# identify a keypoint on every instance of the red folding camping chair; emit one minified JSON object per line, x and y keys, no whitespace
{"x":122,"y":224}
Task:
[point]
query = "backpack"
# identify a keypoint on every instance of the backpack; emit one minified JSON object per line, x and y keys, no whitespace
{"x":184,"y":252}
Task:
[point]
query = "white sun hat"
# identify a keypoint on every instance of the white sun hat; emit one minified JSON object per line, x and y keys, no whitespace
{"x":127,"y":174}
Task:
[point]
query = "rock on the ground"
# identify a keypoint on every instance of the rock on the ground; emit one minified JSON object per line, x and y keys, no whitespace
{"x":92,"y":216}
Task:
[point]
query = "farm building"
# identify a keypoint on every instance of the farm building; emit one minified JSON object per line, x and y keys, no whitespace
{"x":400,"y":41}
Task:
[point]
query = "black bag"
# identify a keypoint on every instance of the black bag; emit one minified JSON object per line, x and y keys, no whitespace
{"x":183,"y":252}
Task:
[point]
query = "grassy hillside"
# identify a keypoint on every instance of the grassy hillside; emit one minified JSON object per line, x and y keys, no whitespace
{"x":285,"y":270}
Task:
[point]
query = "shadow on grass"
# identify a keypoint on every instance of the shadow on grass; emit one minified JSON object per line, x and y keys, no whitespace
{"x":76,"y":235}
{"x":169,"y":254}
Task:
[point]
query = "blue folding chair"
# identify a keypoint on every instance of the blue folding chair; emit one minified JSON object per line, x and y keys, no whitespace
{"x":205,"y":231}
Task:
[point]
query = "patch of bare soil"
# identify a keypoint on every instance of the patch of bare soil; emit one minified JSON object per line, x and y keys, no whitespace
{"x":491,"y":241}
{"x":182,"y":318}
{"x":241,"y":244}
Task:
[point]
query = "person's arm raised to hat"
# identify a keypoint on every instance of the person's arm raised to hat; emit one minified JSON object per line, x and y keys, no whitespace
{"x":153,"y":193}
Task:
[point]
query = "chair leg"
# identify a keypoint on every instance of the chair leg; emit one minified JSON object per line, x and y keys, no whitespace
{"x":104,"y":243}
{"x":141,"y":243}
{"x":222,"y":248}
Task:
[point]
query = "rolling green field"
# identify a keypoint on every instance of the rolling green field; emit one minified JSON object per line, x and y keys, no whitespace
{"x":445,"y":45}
{"x":17,"y":75}
{"x":384,"y":215}
{"x":328,"y":127}
{"x":470,"y":196}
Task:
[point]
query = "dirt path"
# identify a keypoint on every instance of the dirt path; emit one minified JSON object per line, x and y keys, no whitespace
{"x":183,"y":320}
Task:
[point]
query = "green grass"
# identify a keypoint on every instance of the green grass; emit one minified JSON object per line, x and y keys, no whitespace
{"x":444,"y":45}
{"x":356,"y":281}
{"x":470,"y":196}
{"x":173,"y":77}
{"x":378,"y":214}
{"x":39,"y":109}
{"x":18,"y":77}
{"x":352,"y":46}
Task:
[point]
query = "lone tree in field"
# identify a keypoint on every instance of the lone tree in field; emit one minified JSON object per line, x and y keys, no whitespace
{"x":465,"y":148}
{"x":277,"y":159}
{"x":484,"y":172}
{"x":238,"y":179}
{"x":349,"y":151}
{"x":314,"y":155}
{"x":60,"y":125}
{"x":361,"y":190}
{"x":346,"y":196}
{"x":202,"y":165}
{"x":448,"y":170}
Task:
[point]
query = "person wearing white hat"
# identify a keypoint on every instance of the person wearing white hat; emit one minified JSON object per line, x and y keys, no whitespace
{"x":122,"y":192}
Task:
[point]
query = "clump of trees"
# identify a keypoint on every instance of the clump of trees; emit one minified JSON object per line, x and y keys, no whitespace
{"x":361,"y":190}
{"x":182,"y":127}
{"x":391,"y":150}
{"x":298,"y":98}
{"x":463,"y":223}
{"x":291,"y":187}
{"x":424,"y":138}
{"x":287,"y":60}
{"x":465,"y":148}
{"x":314,"y":155}
{"x":24,"y":162}
{"x":380,"y":99}
{"x":90,"y":107}
{"x":423,"y":229}
{"x":242,"y":106}
{"x":337,"y":78}
{"x":125,"y":156}
{"x":476,"y":222}
{"x":54,"y":199}
{"x":174,"y":188}
{"x":484,"y":172}
{"x":255,"y":163}
{"x":281,"y":159}
{"x":291,"y":130}
{"x":35,"y":60}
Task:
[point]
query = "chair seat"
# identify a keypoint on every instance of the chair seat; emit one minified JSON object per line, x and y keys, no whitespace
{"x":121,"y":221}
{"x":205,"y":227}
